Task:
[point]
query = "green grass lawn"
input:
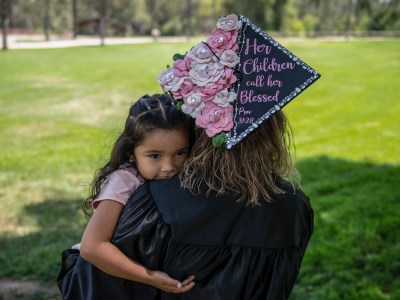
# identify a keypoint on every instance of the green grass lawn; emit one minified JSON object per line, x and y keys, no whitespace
{"x":60,"y":110}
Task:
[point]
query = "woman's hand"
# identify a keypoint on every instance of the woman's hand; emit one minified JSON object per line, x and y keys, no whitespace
{"x":163,"y":282}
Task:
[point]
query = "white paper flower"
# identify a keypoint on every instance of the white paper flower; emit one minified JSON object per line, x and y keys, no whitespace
{"x":228,"y":23}
{"x":228,"y":58}
{"x":203,"y":73}
{"x":169,"y":81}
{"x":200,"y":53}
{"x":193,"y":105}
{"x":224,"y":98}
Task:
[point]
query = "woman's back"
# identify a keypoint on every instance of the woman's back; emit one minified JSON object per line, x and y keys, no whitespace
{"x":236,"y":251}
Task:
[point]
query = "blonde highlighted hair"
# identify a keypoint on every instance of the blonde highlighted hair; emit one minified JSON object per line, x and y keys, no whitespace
{"x":251,"y":170}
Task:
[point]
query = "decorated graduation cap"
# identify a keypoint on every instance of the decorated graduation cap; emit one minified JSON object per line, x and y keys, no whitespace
{"x":236,"y":80}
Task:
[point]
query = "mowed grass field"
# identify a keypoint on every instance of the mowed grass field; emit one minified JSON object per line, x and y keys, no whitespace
{"x":60,"y":110}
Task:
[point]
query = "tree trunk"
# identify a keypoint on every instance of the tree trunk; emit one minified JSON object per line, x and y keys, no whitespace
{"x":278,"y":9}
{"x":188,"y":19}
{"x":214,"y":10}
{"x":5,"y":22}
{"x":349,"y":21}
{"x":326,"y":16}
{"x":47,"y":26}
{"x":102,"y":24}
{"x":74,"y":19}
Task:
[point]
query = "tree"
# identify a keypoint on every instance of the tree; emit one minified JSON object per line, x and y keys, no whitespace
{"x":362,"y":5}
{"x":349,"y":19}
{"x":278,"y":9}
{"x":153,"y":8}
{"x":47,"y":22}
{"x":5,"y":21}
{"x":74,"y":18}
{"x":326,"y":15}
{"x":188,"y":18}
{"x":257,"y":11}
{"x":355,"y":8}
{"x":102,"y":25}
{"x":386,"y":17}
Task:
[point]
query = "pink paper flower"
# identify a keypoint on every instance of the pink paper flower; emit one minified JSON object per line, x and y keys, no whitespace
{"x":185,"y":89}
{"x":193,"y":105}
{"x":223,"y":40}
{"x":214,"y":118}
{"x":227,"y":79}
{"x":228,"y":58}
{"x":182,"y":67}
{"x":224,"y":98}
{"x":168,"y":80}
{"x":203,"y":73}
{"x":209,"y":90}
{"x":200,"y":53}
{"x":228,"y":23}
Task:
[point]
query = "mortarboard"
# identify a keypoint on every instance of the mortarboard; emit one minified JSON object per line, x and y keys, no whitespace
{"x":236,"y":80}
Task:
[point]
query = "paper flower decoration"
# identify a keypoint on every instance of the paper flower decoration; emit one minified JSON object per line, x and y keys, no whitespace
{"x":201,"y":78}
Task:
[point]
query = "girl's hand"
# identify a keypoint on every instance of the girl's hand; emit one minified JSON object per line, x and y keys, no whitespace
{"x":163,"y":282}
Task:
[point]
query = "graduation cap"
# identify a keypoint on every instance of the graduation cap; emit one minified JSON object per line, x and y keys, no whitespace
{"x":236,"y":80}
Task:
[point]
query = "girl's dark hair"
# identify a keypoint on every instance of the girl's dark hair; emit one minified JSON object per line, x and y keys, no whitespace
{"x":145,"y":115}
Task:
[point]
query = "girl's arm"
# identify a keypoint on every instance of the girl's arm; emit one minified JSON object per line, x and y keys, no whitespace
{"x":97,"y":249}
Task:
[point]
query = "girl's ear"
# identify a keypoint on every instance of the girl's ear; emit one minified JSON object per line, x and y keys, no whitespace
{"x":131,"y":159}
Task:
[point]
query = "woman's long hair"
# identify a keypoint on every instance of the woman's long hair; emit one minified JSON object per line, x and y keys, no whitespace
{"x":147,"y":114}
{"x":250,"y":171}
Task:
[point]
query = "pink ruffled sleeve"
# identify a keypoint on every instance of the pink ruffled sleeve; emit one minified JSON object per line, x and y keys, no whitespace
{"x":119,"y":185}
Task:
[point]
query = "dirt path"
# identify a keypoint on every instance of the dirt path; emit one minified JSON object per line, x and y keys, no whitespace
{"x":27,"y":290}
{"x":20,"y":41}
{"x":38,"y":42}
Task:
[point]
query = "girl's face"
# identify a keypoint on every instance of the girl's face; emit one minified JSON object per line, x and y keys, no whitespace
{"x":161,"y":153}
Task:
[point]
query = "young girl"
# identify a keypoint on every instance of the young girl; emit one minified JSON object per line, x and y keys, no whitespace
{"x":153,"y":146}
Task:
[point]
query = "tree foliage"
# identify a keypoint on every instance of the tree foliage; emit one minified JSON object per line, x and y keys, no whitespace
{"x":138,"y":17}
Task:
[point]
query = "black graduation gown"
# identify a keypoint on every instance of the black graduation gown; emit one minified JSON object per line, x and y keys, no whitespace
{"x":235,"y":251}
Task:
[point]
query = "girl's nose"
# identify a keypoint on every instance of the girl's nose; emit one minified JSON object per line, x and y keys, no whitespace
{"x":168,"y":166}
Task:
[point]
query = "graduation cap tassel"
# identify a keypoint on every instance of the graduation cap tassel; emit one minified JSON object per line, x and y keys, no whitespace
{"x":211,"y":50}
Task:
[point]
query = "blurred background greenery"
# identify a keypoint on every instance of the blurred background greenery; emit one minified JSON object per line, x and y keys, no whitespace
{"x":197,"y":17}
{"x":60,"y":110}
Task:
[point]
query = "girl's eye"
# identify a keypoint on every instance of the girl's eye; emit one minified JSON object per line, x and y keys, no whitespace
{"x":182,"y":153}
{"x":154,"y":156}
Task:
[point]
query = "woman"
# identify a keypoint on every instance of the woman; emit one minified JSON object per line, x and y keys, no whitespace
{"x":240,"y":224}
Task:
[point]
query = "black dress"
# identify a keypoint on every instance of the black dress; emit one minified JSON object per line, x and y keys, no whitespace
{"x":235,"y":251}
